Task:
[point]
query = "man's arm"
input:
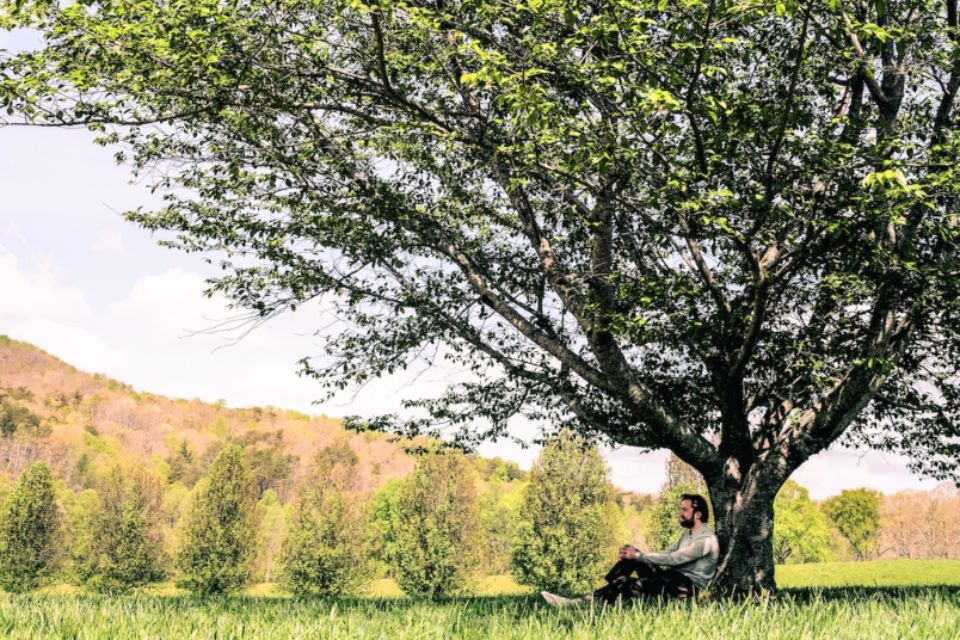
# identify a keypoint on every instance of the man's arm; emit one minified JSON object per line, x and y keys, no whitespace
{"x":671,"y":548}
{"x":630,"y":552}
{"x":672,"y":556}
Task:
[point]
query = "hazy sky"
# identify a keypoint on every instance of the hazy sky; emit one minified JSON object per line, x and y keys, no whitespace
{"x":97,"y":292}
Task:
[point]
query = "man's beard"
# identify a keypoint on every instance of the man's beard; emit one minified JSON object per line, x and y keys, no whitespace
{"x":686,"y":523}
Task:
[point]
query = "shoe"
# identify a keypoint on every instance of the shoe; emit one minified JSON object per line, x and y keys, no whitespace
{"x":559,"y":601}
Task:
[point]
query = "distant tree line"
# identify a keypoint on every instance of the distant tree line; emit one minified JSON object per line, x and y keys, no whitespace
{"x":453,"y":518}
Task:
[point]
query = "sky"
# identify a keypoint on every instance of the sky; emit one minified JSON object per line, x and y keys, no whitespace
{"x":98,"y":292}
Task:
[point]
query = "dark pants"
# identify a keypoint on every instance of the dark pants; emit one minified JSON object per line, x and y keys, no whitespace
{"x":651,"y":582}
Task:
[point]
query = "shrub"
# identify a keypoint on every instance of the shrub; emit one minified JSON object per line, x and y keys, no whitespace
{"x":115,"y":548}
{"x":220,"y":535}
{"x":436,"y":538}
{"x":565,"y":535}
{"x":28,"y":529}
{"x":326,"y":553}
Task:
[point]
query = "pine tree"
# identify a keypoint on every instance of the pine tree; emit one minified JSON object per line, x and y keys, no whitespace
{"x":28,"y":530}
{"x":115,"y":546}
{"x":219,"y":541}
{"x":565,"y":537}
{"x":326,"y":553}
{"x":436,"y":538}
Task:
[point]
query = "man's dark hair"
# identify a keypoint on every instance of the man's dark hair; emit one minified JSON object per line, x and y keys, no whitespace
{"x":698,"y":503}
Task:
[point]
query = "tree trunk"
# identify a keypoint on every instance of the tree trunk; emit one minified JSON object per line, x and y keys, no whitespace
{"x":743,"y":513}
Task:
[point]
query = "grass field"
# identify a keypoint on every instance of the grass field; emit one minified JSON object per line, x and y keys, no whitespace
{"x":884,"y":599}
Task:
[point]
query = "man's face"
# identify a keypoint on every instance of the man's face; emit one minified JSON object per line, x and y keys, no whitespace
{"x":686,"y":514}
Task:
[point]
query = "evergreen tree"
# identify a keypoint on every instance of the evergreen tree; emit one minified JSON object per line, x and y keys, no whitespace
{"x":116,"y":545}
{"x":436,"y":537}
{"x":324,"y":555}
{"x":28,"y":530}
{"x":565,"y":535}
{"x":183,"y":466}
{"x":219,"y":540}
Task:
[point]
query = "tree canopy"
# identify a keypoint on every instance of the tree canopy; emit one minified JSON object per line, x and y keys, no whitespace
{"x":801,"y":533}
{"x":724,"y":227}
{"x":856,"y":515}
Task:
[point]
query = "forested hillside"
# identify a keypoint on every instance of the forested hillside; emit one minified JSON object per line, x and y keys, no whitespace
{"x":95,"y":433}
{"x":81,"y":423}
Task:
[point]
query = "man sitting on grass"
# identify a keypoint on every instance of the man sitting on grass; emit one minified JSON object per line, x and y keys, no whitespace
{"x":678,"y":571}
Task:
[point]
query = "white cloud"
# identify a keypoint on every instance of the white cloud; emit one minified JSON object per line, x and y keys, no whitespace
{"x":12,"y":230}
{"x":172,"y":305}
{"x":74,"y":345}
{"x":832,"y":471}
{"x":109,"y":241}
{"x":38,"y":292}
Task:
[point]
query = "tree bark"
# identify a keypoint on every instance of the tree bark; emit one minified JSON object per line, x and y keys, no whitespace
{"x":743,"y":521}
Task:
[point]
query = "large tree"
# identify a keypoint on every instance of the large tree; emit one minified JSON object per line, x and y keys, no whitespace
{"x":723,"y":227}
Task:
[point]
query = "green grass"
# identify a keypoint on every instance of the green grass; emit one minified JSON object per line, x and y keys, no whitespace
{"x":874,"y":573}
{"x":894,"y":599}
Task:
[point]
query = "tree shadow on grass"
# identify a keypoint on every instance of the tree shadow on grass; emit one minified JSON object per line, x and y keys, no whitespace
{"x":890,"y":593}
{"x":512,"y":608}
{"x":522,"y":605}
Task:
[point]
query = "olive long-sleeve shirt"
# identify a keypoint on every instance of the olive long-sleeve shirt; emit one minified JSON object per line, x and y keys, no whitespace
{"x":694,"y":554}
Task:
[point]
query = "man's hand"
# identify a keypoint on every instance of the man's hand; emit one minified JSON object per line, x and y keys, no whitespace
{"x":629,"y":552}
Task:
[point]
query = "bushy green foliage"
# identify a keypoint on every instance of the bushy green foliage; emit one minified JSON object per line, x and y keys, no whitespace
{"x":801,"y":532}
{"x":219,"y":540}
{"x":499,"y":516}
{"x":14,"y":418}
{"x":436,"y":534}
{"x":28,"y":530}
{"x":497,"y":468}
{"x":273,"y":519}
{"x":564,"y":537}
{"x":183,"y":465}
{"x":115,"y":546}
{"x":384,"y":523}
{"x":856,"y":515}
{"x":326,"y":552}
